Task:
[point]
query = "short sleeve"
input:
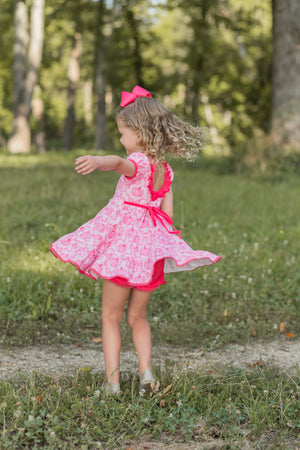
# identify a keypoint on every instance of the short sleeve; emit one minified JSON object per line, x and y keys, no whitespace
{"x":171,"y":172}
{"x":141,"y":163}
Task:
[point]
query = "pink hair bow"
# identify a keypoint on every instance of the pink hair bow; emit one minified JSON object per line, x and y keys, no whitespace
{"x":129,"y":97}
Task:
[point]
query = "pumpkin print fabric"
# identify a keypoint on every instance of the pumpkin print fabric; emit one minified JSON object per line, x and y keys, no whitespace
{"x":129,"y":235}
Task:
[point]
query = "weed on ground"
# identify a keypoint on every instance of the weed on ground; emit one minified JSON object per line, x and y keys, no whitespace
{"x":229,"y":405}
{"x":253,"y":293}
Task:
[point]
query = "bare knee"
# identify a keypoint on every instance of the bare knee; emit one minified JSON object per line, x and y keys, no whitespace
{"x":114,"y":299}
{"x":132,"y":318}
{"x":111,"y":317}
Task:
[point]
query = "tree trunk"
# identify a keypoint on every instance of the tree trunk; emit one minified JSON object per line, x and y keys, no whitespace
{"x":137,"y":56}
{"x":88,"y":113}
{"x":21,"y":39}
{"x":20,"y":137}
{"x":74,"y":75}
{"x":25,"y":78}
{"x":285,"y":124}
{"x":100,"y":81}
{"x":37,"y":105}
{"x":199,"y":25}
{"x":211,"y":122}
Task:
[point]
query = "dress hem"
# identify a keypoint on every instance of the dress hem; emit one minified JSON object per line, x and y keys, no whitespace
{"x":88,"y":274}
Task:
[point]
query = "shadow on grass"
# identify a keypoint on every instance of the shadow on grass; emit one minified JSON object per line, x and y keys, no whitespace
{"x":253,"y":224}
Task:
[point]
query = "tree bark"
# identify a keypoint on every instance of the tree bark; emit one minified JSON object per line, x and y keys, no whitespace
{"x":100,"y":81}
{"x":100,"y":85}
{"x":38,"y":114}
{"x":21,"y":39}
{"x":199,"y":26}
{"x":137,"y":55}
{"x":25,"y":70}
{"x":211,"y":122}
{"x":74,"y":75}
{"x":285,"y":120}
{"x":88,"y":113}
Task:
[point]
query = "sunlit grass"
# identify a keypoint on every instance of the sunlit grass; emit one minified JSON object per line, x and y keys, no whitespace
{"x":251,"y":221}
{"x":52,"y":158}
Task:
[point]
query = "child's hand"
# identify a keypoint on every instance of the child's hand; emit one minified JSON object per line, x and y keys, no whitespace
{"x":87,"y":164}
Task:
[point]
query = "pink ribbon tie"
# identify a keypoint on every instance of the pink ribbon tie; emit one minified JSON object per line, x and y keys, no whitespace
{"x":129,"y":97}
{"x":157,"y":214}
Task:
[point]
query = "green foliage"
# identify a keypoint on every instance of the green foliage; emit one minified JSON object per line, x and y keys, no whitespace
{"x":193,"y":55}
{"x":219,"y":52}
{"x":228,"y":407}
{"x":261,"y":155}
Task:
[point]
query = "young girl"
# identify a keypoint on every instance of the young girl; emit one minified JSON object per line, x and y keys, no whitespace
{"x":131,"y":243}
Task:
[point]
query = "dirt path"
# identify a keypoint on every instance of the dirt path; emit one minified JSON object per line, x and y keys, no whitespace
{"x":65,"y":359}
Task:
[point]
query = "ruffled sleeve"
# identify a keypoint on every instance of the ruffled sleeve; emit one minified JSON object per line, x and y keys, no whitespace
{"x":169,"y":176}
{"x":141,"y":163}
{"x":170,"y":172}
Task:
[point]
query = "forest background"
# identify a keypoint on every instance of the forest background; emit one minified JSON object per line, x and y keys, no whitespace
{"x":219,"y":64}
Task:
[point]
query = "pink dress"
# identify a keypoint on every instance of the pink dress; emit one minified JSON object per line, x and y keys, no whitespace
{"x":131,"y":234}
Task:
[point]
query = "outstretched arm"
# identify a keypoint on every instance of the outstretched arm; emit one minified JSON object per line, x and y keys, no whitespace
{"x":88,"y":163}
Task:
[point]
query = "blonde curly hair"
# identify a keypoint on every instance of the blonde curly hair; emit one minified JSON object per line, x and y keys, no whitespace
{"x":160,"y":131}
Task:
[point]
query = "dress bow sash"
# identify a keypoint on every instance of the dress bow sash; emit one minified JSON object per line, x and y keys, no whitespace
{"x":157,"y":214}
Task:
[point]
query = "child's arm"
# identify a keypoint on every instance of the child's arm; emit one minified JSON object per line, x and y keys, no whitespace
{"x":167,"y":203}
{"x":88,"y":163}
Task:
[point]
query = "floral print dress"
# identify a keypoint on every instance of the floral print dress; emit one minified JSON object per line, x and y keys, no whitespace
{"x":131,"y":234}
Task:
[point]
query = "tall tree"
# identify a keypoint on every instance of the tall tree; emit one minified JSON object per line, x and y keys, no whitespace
{"x":73,"y":75}
{"x":201,"y":37}
{"x":100,"y":78}
{"x":136,"y":38}
{"x":6,"y":58}
{"x":286,"y":73}
{"x":25,"y":69}
{"x":37,"y":106}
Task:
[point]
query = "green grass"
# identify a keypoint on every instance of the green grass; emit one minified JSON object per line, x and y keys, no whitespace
{"x":253,"y":221}
{"x":230,"y":407}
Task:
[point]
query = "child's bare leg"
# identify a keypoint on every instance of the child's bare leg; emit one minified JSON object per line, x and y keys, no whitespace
{"x":114,"y":299}
{"x":140,"y":329}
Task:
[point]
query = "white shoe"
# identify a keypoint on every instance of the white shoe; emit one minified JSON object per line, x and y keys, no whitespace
{"x":109,"y":389}
{"x":147,"y":382}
